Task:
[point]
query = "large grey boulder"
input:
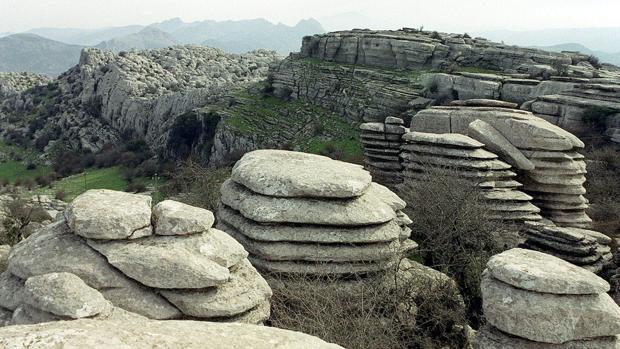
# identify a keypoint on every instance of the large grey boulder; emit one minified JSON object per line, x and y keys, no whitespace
{"x":147,"y":334}
{"x":245,"y":290}
{"x":497,"y":143}
{"x":64,"y":294}
{"x":540,"y":272}
{"x":491,"y":338}
{"x":363,"y":210}
{"x":11,"y":291}
{"x":176,"y":218}
{"x":545,"y":317}
{"x":306,"y":175}
{"x":196,"y":261}
{"x":107,"y":214}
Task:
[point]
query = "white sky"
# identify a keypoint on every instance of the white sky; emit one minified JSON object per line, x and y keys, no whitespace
{"x":443,"y":15}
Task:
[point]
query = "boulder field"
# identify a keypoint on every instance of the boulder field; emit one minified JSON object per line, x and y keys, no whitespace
{"x":111,"y":252}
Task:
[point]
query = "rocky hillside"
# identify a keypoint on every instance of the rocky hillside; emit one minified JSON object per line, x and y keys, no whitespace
{"x":367,"y":75}
{"x":108,"y":97}
{"x":33,"y":53}
{"x":12,"y":83}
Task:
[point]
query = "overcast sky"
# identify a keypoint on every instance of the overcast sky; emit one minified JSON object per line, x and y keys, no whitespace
{"x":443,"y":15}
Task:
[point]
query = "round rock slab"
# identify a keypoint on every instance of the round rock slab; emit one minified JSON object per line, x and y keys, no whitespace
{"x":143,"y":334}
{"x":540,"y":272}
{"x":109,"y":215}
{"x":64,"y":294}
{"x":176,"y":218}
{"x":293,"y":174}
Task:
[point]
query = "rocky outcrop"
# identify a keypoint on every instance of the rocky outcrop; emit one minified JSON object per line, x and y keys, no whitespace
{"x":13,"y":83}
{"x":356,"y":93}
{"x":298,"y":220}
{"x":111,"y":245}
{"x":426,"y":155}
{"x":144,"y":333}
{"x":534,"y":300}
{"x":555,"y":183}
{"x":382,"y":142}
{"x":140,"y":93}
{"x":592,"y":105}
{"x":586,"y":248}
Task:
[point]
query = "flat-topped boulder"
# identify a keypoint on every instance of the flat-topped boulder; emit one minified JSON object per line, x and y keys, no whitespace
{"x":107,"y":214}
{"x":540,"y":272}
{"x":143,"y":334}
{"x":176,"y":218}
{"x":307,"y":175}
{"x":484,"y":103}
{"x":548,"y":318}
{"x":492,"y":338}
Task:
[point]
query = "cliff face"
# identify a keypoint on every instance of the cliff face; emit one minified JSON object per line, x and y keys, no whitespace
{"x":367,"y":75}
{"x":107,"y":96}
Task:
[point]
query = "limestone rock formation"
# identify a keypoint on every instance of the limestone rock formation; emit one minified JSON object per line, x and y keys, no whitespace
{"x":425,"y":153}
{"x":13,"y":83}
{"x":586,"y":248}
{"x":361,"y":231}
{"x":140,"y":333}
{"x":555,"y":183}
{"x":527,"y":305}
{"x":76,"y":266}
{"x":382,"y":143}
{"x":143,"y":93}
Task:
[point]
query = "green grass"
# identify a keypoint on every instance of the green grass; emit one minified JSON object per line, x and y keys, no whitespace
{"x":12,"y":169}
{"x":294,"y":125}
{"x":101,"y":178}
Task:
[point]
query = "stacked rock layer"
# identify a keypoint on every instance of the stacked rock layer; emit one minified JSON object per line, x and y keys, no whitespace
{"x":544,"y":156}
{"x":424,"y":154}
{"x":299,"y":213}
{"x":586,"y":248}
{"x":165,"y":262}
{"x":534,"y":300}
{"x":382,"y":143}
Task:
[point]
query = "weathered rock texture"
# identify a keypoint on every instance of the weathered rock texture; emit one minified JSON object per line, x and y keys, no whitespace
{"x":555,"y":183}
{"x":112,"y":250}
{"x":140,"y":93}
{"x":13,"y":83}
{"x":366,"y":75}
{"x":425,"y":154}
{"x":330,"y":230}
{"x":586,"y":248}
{"x":140,"y":333}
{"x":382,"y":143}
{"x":534,"y":300}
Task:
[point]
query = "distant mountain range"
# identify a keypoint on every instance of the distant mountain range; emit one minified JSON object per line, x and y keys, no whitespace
{"x":606,"y":57}
{"x":52,"y":51}
{"x":32,"y":53}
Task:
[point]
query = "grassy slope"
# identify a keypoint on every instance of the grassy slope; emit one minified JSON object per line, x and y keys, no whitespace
{"x":12,"y":170}
{"x":102,"y":178}
{"x":303,"y":126}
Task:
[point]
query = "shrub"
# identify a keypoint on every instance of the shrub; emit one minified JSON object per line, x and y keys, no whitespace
{"x":435,"y":35}
{"x":136,"y":188}
{"x":596,"y":63}
{"x":44,"y":180}
{"x":31,"y":166}
{"x":61,"y":194}
{"x":17,"y":215}
{"x":388,"y":313}
{"x":28,"y":183}
{"x":196,"y":185}
{"x":466,"y":36}
{"x":603,"y":190}
{"x":453,"y":231}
